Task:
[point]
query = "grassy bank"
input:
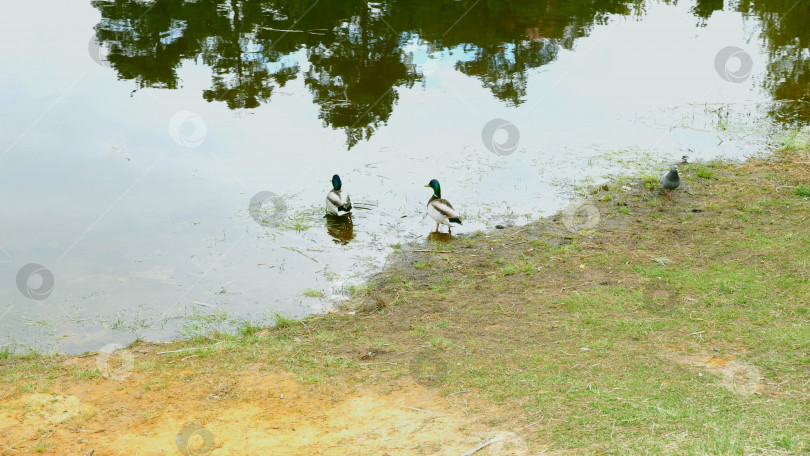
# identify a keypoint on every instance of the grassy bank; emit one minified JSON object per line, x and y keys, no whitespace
{"x":638,"y":324}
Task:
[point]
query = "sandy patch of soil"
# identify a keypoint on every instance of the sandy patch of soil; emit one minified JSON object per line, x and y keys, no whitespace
{"x":737,"y":376}
{"x":254,"y":411}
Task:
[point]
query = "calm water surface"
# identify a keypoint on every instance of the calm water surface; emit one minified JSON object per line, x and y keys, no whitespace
{"x":135,"y":135}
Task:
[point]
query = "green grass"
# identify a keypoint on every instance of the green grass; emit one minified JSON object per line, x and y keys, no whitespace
{"x":313,"y":293}
{"x":84,"y":374}
{"x":705,"y":173}
{"x":803,"y":190}
{"x":282,"y":322}
{"x":359,"y":290}
{"x":442,"y":246}
{"x":440,"y":342}
{"x":651,"y":182}
{"x":247,"y":329}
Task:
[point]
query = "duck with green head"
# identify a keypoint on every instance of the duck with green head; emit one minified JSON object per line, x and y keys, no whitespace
{"x":440,"y":209}
{"x":337,"y":201}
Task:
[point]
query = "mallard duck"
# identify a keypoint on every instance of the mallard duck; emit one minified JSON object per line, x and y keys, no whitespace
{"x":440,"y":209}
{"x":671,"y":180}
{"x":337,"y":201}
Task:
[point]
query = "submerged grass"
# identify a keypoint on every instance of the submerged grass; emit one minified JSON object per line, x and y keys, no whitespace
{"x":677,"y":326}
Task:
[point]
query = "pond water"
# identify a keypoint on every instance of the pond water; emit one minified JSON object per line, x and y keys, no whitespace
{"x":135,"y":135}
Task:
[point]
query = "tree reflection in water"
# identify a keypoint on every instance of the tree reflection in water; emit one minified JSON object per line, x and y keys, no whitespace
{"x":355,"y":49}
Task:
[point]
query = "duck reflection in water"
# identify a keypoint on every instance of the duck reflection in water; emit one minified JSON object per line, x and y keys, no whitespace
{"x":340,"y":228}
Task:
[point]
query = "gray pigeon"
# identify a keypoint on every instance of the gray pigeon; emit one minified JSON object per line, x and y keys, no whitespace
{"x":671,"y":180}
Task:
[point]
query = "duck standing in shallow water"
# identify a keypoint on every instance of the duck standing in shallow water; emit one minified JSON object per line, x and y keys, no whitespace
{"x":337,"y":201}
{"x":440,"y":209}
{"x":671,"y":180}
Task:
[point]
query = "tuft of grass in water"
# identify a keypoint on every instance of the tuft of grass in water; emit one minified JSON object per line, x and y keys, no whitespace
{"x":301,"y":220}
{"x":797,"y":139}
{"x":200,"y":325}
{"x":18,"y":350}
{"x":248,"y":329}
{"x":313,"y":293}
{"x":282,"y":322}
{"x":329,"y":275}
